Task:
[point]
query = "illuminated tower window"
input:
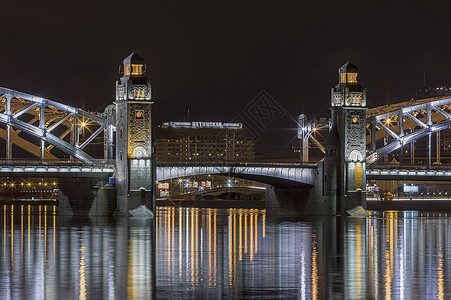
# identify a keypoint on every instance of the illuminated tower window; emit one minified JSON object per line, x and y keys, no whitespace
{"x":127,"y":70}
{"x":352,"y":77}
{"x":348,"y":73}
{"x":134,"y":65}
{"x":137,"y":70}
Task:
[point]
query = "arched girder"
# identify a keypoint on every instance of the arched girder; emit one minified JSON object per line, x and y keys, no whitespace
{"x":54,"y":110}
{"x":432,"y":111}
{"x":269,"y":175}
{"x":409,"y":112}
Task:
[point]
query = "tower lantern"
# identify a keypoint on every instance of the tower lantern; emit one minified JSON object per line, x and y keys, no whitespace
{"x":348,"y":91}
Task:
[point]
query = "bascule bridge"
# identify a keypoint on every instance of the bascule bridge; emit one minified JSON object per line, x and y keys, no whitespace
{"x":62,"y":137}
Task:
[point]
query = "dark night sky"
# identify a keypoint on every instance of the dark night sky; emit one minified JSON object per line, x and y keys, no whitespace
{"x":214,"y":57}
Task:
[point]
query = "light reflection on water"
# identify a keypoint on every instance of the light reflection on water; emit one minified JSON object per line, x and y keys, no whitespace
{"x":223,"y":254}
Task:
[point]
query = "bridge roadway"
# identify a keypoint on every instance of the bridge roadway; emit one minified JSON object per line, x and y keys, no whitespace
{"x":265,"y":172}
{"x":273,"y":173}
{"x":409,"y":172}
{"x":29,"y":168}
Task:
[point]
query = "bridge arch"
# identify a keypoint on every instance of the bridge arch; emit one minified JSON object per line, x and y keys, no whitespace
{"x":276,"y":176}
{"x":402,"y":123}
{"x":47,"y":117}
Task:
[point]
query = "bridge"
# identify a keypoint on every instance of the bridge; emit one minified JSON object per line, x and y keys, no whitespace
{"x":286,"y":174}
{"x":91,"y":147}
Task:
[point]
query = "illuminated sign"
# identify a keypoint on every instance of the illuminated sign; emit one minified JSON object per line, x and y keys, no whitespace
{"x":410,"y":189}
{"x":233,"y":125}
{"x":207,"y":124}
{"x":163,"y":185}
{"x":203,"y":125}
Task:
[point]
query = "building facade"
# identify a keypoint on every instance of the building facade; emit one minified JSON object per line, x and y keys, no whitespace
{"x":204,"y":141}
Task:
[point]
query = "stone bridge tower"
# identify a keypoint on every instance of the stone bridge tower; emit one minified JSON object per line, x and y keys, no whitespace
{"x":344,"y":163}
{"x":135,"y":167}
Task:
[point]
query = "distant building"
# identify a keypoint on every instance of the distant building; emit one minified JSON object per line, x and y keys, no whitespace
{"x":204,"y":141}
{"x":428,"y":92}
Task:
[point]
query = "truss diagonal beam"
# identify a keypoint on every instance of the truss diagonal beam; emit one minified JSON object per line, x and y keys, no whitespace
{"x":59,"y":122}
{"x":407,"y":139}
{"x":47,"y":137}
{"x":18,"y":114}
{"x":444,"y":113}
{"x":93,"y":136}
{"x":391,"y":132}
{"x":418,"y":122}
{"x":317,"y":143}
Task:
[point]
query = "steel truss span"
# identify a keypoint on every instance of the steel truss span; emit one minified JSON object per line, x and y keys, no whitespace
{"x":402,"y":123}
{"x":55,"y":124}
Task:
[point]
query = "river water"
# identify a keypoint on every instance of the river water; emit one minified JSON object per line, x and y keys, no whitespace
{"x":188,"y":253}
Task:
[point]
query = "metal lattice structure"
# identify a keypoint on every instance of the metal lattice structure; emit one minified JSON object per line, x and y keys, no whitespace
{"x":402,"y":123}
{"x":54,"y":124}
{"x":393,"y":126}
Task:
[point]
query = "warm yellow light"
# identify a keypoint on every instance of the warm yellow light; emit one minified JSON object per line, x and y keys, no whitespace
{"x":29,"y":184}
{"x":45,"y":184}
{"x":348,"y":77}
{"x":137,"y":69}
{"x":127,"y":70}
{"x":352,"y":77}
{"x":83,"y":124}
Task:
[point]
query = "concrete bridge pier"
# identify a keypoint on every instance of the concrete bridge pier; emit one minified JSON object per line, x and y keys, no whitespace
{"x":302,"y":200}
{"x":86,"y":197}
{"x":286,"y":201}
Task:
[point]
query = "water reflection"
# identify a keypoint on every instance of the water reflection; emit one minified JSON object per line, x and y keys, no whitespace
{"x":222,"y":254}
{"x":50,"y":257}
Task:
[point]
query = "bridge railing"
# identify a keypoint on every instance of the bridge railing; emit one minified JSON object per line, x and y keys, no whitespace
{"x":234,"y":164}
{"x":411,"y":167}
{"x":34,"y":162}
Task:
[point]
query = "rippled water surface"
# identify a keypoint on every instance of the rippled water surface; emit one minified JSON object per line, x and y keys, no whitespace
{"x":223,"y":254}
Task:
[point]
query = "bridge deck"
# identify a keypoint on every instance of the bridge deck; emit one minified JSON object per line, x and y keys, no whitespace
{"x":55,"y":171}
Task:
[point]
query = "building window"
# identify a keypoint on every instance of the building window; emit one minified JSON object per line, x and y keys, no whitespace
{"x":342,"y":77}
{"x":137,"y":69}
{"x":352,"y":77}
{"x":348,"y":77}
{"x":127,"y":70}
